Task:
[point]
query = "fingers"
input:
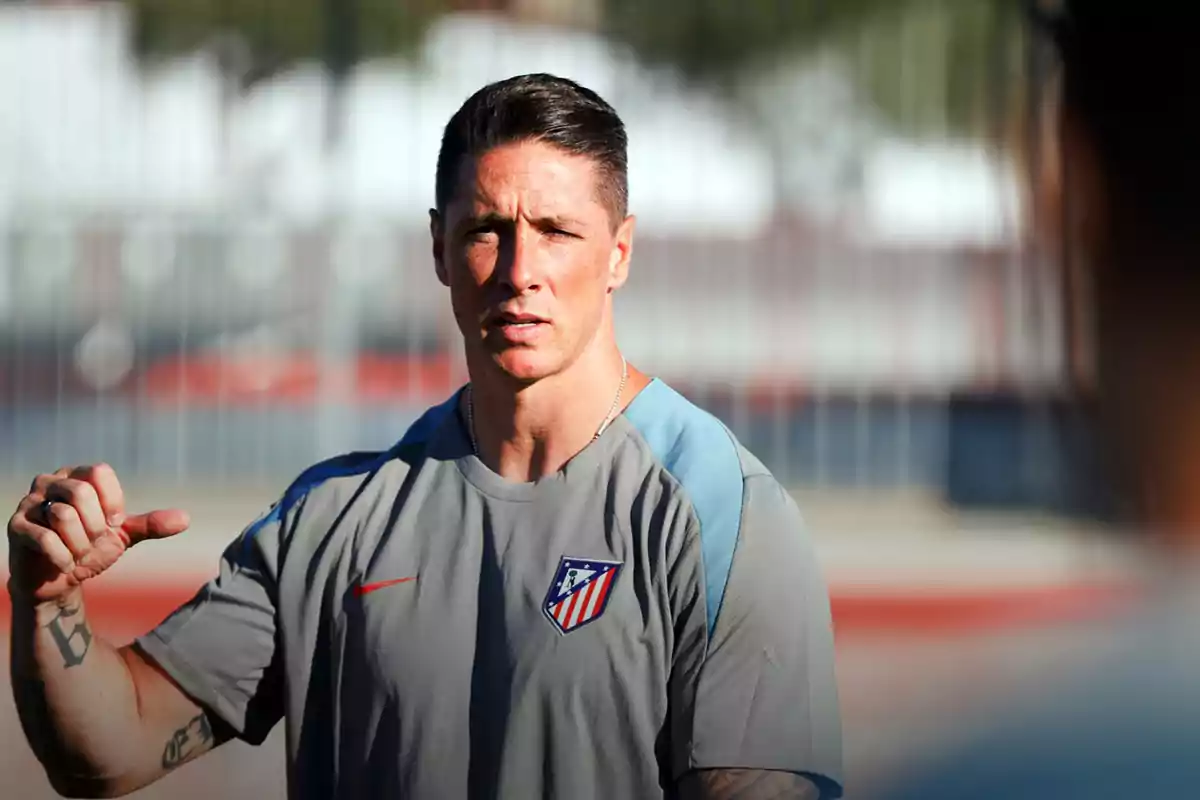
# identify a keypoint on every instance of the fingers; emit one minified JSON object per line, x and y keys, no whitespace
{"x":28,"y":533}
{"x":156,"y":525}
{"x":86,"y":501}
{"x":64,"y":520}
{"x":88,"y":488}
{"x":63,"y":531}
{"x":85,"y":519}
{"x":42,"y":482}
{"x":103,"y":479}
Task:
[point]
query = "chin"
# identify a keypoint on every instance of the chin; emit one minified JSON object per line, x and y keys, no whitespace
{"x":527,"y":366}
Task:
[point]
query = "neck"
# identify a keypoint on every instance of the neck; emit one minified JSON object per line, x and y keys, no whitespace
{"x":530,"y":431}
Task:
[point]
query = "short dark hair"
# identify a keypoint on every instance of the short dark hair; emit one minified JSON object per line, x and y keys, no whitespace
{"x":543,"y":108}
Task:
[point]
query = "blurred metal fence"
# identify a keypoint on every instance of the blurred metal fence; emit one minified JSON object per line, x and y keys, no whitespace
{"x":228,"y":350}
{"x":796,"y":275}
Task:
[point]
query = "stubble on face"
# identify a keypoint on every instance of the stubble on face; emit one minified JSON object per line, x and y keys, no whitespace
{"x":529,"y":253}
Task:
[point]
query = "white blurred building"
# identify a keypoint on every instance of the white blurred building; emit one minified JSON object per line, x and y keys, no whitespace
{"x":723,"y":289}
{"x":84,"y":128}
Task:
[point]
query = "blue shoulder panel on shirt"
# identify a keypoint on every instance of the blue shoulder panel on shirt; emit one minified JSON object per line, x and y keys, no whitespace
{"x":337,"y":467}
{"x":351,"y":464}
{"x":700,"y":453}
{"x":420,"y":431}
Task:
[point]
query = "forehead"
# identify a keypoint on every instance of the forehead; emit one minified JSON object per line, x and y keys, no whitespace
{"x":530,"y":177}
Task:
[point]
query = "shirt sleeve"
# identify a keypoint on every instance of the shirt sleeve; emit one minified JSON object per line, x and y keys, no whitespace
{"x":754,"y":687}
{"x":222,"y":646}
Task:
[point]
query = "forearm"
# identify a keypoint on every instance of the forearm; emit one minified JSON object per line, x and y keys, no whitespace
{"x":75,"y":695}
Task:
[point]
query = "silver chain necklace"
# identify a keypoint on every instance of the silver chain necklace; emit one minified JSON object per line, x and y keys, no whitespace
{"x":612,"y":411}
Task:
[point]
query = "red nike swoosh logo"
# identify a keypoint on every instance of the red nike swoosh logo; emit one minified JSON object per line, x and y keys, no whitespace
{"x":366,"y":588}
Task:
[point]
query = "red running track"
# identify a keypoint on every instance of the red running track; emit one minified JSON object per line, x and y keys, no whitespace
{"x":140,"y":606}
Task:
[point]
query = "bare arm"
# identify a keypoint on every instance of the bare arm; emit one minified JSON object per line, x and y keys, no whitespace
{"x":103,"y":721}
{"x":746,"y":784}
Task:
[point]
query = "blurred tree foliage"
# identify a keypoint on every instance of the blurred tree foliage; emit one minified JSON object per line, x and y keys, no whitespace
{"x":275,"y":34}
{"x":255,"y":39}
{"x":932,"y":66}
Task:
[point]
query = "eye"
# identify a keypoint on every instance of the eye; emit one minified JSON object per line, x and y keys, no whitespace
{"x":559,"y":233}
{"x":482,"y":233}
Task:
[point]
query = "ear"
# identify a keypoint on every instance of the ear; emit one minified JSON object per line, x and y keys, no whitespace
{"x":622,"y":252}
{"x":438,"y":244}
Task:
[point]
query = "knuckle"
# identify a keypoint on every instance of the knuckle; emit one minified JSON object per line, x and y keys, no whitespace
{"x":61,"y":491}
{"x":19,"y":523}
{"x":79,"y":492}
{"x":63,"y":514}
{"x":27,"y":504}
{"x":105,"y":478}
{"x":98,"y":472}
{"x":41,"y":482}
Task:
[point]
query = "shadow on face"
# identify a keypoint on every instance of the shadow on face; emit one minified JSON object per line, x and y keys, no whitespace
{"x":531,"y":254}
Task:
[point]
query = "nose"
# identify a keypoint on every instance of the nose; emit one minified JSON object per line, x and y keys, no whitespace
{"x":519,"y":268}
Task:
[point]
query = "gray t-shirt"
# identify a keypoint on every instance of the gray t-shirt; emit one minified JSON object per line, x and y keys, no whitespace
{"x":431,"y":630}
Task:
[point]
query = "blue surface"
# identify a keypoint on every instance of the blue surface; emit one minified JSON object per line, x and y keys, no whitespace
{"x":697,"y":449}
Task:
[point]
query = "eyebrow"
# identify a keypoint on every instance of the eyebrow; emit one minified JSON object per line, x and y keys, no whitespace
{"x":493,"y":218}
{"x":472,"y":220}
{"x":559,"y":221}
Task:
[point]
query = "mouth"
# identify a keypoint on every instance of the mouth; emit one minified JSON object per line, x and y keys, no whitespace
{"x":515,"y":321}
{"x":517,"y":329}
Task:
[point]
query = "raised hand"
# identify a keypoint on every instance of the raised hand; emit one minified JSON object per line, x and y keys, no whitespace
{"x":72,"y":526}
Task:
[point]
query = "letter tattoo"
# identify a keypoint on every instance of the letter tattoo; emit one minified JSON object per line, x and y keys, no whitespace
{"x":72,"y":655}
{"x":190,"y":740}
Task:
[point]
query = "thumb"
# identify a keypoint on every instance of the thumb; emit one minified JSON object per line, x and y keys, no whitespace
{"x":155,"y":525}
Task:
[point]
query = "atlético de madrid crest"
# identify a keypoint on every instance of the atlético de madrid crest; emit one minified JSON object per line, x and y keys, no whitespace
{"x":580,"y":591}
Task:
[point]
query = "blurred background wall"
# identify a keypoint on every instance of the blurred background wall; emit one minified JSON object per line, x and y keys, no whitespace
{"x":214,"y":261}
{"x":215,"y":271}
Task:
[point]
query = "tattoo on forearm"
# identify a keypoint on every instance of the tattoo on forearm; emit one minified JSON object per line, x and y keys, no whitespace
{"x":73,"y":646}
{"x":747,"y":784}
{"x":188,"y":741}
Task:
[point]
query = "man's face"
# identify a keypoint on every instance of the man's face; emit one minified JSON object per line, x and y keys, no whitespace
{"x":531,"y":256}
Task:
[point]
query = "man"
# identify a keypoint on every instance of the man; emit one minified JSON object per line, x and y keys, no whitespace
{"x":566,"y":581}
{"x":1127,"y":723}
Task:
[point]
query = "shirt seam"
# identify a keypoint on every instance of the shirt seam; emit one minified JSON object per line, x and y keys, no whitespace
{"x":490,"y":495}
{"x":693,"y":526}
{"x":691,"y":533}
{"x":710,"y":630}
{"x":536,"y":490}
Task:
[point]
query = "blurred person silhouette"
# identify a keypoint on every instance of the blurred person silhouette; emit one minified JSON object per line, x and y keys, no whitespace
{"x":1127,"y":723}
{"x":564,"y":582}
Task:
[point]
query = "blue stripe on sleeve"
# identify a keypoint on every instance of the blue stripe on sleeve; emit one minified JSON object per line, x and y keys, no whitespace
{"x":697,"y":449}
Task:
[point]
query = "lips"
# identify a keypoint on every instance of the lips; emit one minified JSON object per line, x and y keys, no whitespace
{"x":506,"y":318}
{"x":517,"y":328}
